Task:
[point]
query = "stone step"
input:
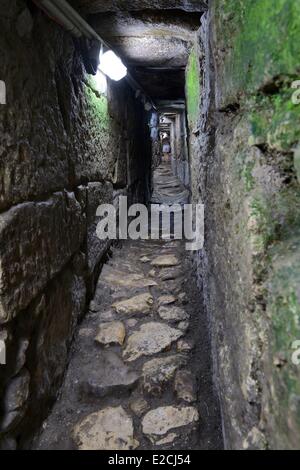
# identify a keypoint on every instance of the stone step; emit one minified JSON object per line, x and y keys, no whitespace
{"x":109,"y":377}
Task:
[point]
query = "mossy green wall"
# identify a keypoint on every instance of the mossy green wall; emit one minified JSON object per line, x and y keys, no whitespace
{"x":193,"y":88}
{"x":262,"y":59}
{"x":98,"y":104}
{"x":275,"y":119}
{"x":248,"y":175}
{"x":264,"y":35}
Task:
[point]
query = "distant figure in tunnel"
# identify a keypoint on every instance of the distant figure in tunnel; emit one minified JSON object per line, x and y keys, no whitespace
{"x":166,"y":148}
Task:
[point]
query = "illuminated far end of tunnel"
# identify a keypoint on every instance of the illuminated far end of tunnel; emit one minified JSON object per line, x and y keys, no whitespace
{"x":112,"y":66}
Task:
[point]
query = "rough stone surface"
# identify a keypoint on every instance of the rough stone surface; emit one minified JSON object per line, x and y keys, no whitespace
{"x":157,"y":423}
{"x":172,"y":313}
{"x":111,"y":376}
{"x":85,"y":332}
{"x":97,"y":193}
{"x":21,"y":354}
{"x":33,"y":159}
{"x":139,"y":407}
{"x":8,"y":443}
{"x":108,"y":315}
{"x":97,"y":6}
{"x":185,"y":386}
{"x":108,"y":429}
{"x":242,"y":141}
{"x":169,"y":274}
{"x":157,"y":373}
{"x":153,"y":51}
{"x":97,"y":377}
{"x":24,"y":23}
{"x":166,"y":300}
{"x":62,"y":154}
{"x":147,"y":24}
{"x":131,"y":323}
{"x":185,"y":345}
{"x":15,"y":398}
{"x":124,"y":279}
{"x":167,"y":440}
{"x":17,"y":392}
{"x":165,"y":261}
{"x":183,"y":298}
{"x":183,"y":325}
{"x":138,"y":304}
{"x":36,"y":240}
{"x":111,"y":333}
{"x":58,"y":311}
{"x":151,"y":338}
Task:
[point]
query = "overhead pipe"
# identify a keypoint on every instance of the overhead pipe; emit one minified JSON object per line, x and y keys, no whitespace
{"x":66,"y":16}
{"x":72,"y":14}
{"x":55,"y":13}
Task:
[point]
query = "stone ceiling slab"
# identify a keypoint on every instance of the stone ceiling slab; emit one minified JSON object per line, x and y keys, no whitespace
{"x":97,"y":6}
{"x":152,"y":51}
{"x":154,"y":38}
{"x":149,"y":38}
{"x":179,"y":25}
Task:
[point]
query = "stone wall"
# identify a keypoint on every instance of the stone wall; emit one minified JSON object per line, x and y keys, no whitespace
{"x":244,"y":143}
{"x":64,"y":150}
{"x":180,"y":163}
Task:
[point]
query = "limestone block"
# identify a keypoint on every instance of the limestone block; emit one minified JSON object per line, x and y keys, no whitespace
{"x":15,"y":398}
{"x":157,"y":423}
{"x":107,"y":429}
{"x":111,"y":333}
{"x":33,"y":146}
{"x":97,"y":193}
{"x":158,"y":372}
{"x":172,"y":313}
{"x":151,"y":338}
{"x":185,"y":386}
{"x":111,"y":377}
{"x":58,"y":311}
{"x":165,"y":261}
{"x":138,"y":304}
{"x":36,"y":241}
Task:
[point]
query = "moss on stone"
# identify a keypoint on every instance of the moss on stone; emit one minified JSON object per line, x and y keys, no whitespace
{"x":284,"y":311}
{"x":97,"y":105}
{"x":193,"y":88}
{"x":275,"y":215}
{"x":256,"y":58}
{"x":262,"y":233}
{"x":297,"y":162}
{"x":274,"y":120}
{"x":276,"y":248}
{"x":247,"y":176}
{"x":261,"y":39}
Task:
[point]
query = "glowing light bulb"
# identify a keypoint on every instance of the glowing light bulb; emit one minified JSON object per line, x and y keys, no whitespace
{"x":112,"y":66}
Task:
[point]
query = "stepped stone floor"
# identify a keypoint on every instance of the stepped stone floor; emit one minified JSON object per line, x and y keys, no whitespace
{"x":140,"y":372}
{"x":167,"y":188}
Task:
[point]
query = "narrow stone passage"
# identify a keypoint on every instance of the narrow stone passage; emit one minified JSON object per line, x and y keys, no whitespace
{"x":121,"y":104}
{"x":140,"y":373}
{"x":167,"y":187}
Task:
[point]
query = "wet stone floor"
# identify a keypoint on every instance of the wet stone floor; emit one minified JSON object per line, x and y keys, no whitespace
{"x":140,"y":370}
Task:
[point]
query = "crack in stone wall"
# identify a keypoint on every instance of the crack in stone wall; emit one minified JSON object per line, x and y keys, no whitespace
{"x":243,"y":167}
